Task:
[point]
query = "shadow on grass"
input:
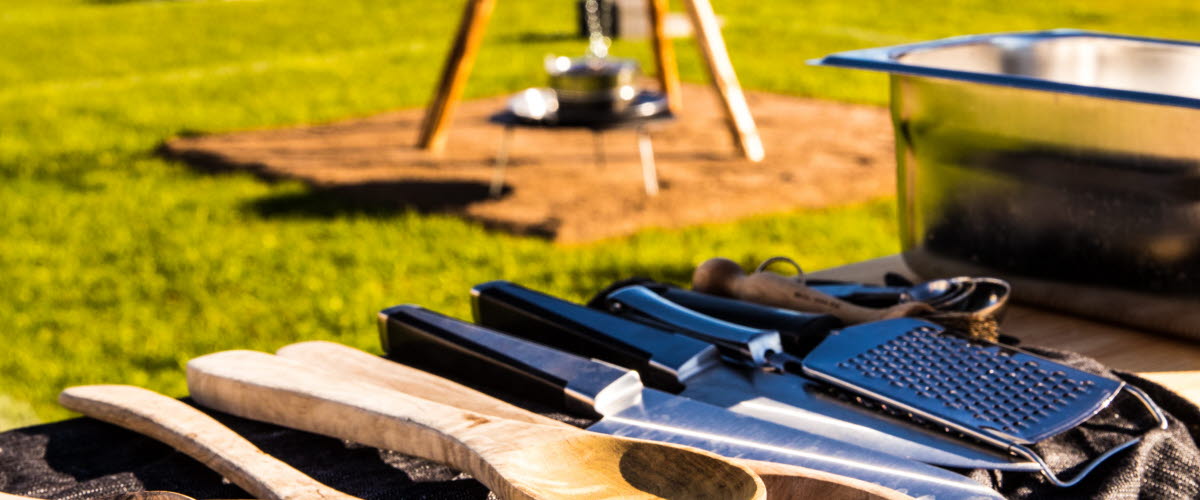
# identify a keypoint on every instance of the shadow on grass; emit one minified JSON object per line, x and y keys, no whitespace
{"x":538,"y":37}
{"x":382,"y":199}
{"x":375,"y":198}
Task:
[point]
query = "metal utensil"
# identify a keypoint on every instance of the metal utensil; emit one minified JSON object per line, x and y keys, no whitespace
{"x":782,"y":481}
{"x":199,"y":436}
{"x":677,"y":363}
{"x":626,"y":408}
{"x":998,"y":394}
{"x":994,"y":393}
{"x":719,"y":276}
{"x":516,"y":460}
{"x":1063,"y":161}
{"x":940,"y":293}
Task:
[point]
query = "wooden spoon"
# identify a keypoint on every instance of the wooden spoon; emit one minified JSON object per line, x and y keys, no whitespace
{"x":782,"y":481}
{"x":199,"y":436}
{"x":517,"y":460}
{"x":725,"y":277}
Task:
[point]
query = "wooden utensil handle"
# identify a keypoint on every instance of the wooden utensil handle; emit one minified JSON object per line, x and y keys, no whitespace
{"x":724,"y":277}
{"x":783,"y":481}
{"x":368,"y":368}
{"x":199,"y":436}
{"x":285,"y":392}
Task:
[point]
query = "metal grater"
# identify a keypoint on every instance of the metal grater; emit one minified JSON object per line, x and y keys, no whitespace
{"x":995,"y":393}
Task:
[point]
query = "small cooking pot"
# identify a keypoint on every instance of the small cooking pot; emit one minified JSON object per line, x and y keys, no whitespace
{"x":587,"y":87}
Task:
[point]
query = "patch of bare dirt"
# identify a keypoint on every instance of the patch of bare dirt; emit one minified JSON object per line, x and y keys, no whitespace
{"x":818,"y":153}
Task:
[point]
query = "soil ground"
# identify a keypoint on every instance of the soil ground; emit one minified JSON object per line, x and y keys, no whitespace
{"x":818,"y":153}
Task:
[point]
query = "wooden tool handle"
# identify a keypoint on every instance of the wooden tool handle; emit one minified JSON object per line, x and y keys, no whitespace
{"x":285,"y":392}
{"x":783,"y":481}
{"x":199,"y":436}
{"x":790,"y":481}
{"x":716,"y":58}
{"x":724,"y":277}
{"x":368,"y":368}
{"x":457,"y":69}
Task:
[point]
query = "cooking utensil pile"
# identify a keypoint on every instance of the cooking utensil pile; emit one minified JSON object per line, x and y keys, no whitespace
{"x":690,"y":394}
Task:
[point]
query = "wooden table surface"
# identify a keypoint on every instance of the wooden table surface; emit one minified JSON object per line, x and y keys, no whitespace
{"x":1172,"y":362}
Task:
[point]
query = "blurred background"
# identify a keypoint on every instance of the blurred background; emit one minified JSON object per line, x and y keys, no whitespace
{"x":117,"y":265}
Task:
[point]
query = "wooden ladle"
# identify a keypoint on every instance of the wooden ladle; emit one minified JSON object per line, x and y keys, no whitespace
{"x":782,"y":481}
{"x":517,"y":460}
{"x":725,"y":277}
{"x":199,"y":436}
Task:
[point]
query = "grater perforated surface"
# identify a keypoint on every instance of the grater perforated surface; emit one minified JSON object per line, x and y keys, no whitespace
{"x":981,"y":388}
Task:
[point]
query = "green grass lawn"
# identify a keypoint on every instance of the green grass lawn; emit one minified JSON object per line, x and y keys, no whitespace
{"x":117,"y":266}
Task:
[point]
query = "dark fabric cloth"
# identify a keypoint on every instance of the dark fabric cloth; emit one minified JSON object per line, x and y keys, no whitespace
{"x":1165,"y":464}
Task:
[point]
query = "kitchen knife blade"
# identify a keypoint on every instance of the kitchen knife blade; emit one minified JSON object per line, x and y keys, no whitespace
{"x":626,"y":408}
{"x":784,"y":399}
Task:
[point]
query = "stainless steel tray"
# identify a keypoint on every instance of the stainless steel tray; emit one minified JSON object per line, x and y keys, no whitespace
{"x":1064,"y":161}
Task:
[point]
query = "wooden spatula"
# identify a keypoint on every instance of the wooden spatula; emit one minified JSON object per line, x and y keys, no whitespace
{"x":782,"y":481}
{"x":199,"y":436}
{"x":517,"y":460}
{"x":725,"y":277}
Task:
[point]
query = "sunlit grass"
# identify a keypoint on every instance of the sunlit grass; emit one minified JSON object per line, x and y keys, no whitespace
{"x":117,"y":266}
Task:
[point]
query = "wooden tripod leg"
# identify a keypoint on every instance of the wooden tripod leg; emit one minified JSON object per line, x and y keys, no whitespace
{"x":455,"y":73}
{"x":712,"y":47}
{"x":664,"y":55}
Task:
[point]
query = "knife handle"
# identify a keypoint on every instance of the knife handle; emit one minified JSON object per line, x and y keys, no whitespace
{"x":663,"y":358}
{"x":742,"y":343}
{"x":391,"y":375}
{"x":800,"y":331}
{"x":197,"y":435}
{"x":502,"y":361}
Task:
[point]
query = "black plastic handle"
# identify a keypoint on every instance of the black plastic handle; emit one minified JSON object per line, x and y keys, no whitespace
{"x":428,"y":339}
{"x":800,"y":332}
{"x":664,"y":358}
{"x":748,"y":345}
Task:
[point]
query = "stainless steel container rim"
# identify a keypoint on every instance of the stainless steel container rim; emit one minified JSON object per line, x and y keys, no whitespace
{"x":887,"y":59}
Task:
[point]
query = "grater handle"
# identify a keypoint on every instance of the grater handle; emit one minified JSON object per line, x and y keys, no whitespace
{"x":1153,"y":408}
